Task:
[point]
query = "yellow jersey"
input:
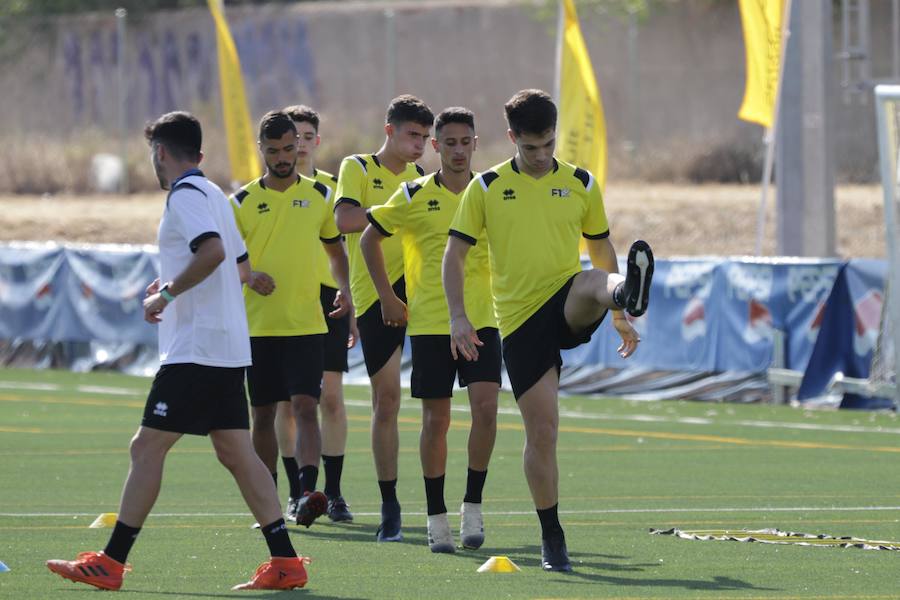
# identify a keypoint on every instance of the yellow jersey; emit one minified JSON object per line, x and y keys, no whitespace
{"x":364,"y":181}
{"x":325,"y":276}
{"x":533,"y":228}
{"x":284,"y":232}
{"x":421,"y":212}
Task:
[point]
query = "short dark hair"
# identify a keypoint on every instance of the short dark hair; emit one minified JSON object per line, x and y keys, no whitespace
{"x":530,"y":111}
{"x":409,"y":109}
{"x":300,"y":113}
{"x":275,"y":124}
{"x":454,"y":114}
{"x":179,"y":132}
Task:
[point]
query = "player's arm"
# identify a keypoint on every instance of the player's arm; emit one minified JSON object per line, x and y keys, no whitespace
{"x":349,"y":213}
{"x":208,"y":256}
{"x":340,"y":269}
{"x":393,"y":310}
{"x":463,"y":338}
{"x":261,"y":283}
{"x":245,"y":271}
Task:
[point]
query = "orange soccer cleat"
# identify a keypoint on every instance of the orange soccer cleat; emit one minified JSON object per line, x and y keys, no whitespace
{"x":92,"y":568}
{"x":278,"y":573}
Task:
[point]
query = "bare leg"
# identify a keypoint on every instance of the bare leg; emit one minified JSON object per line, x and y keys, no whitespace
{"x":589,"y":297}
{"x":483,"y":404}
{"x":235,"y":451}
{"x":433,"y":439}
{"x":309,"y":440}
{"x":334,"y":415}
{"x":148,"y":454}
{"x":264,"y":439}
{"x":285,"y":429}
{"x":540,"y":413}
{"x":385,"y":408}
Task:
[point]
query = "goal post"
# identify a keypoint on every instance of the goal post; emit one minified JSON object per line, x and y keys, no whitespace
{"x":886,"y":361}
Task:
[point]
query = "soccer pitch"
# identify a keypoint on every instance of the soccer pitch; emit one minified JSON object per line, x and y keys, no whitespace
{"x":625,"y":467}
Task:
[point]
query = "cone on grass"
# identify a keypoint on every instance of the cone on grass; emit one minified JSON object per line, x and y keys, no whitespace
{"x":499,"y":564}
{"x":3,"y":567}
{"x":104,"y":520}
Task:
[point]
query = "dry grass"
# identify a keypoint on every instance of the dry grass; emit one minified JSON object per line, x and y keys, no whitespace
{"x":676,"y":219}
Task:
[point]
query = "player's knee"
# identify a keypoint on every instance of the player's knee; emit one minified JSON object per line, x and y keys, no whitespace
{"x":227,"y":456}
{"x":435,"y":423}
{"x":484,"y":413}
{"x":332,"y":407}
{"x":306,"y":410}
{"x":264,"y":418}
{"x":542,"y":437}
{"x":143,"y":449}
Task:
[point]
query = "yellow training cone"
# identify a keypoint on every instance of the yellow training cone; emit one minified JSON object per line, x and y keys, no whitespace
{"x":104,"y":520}
{"x":499,"y":564}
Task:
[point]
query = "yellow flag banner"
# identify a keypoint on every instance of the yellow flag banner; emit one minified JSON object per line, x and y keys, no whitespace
{"x":761,"y":20}
{"x":582,"y":127}
{"x":241,"y":147}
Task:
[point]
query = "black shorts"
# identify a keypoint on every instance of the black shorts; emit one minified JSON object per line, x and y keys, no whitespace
{"x":196,"y":399}
{"x":338,"y":333}
{"x":378,"y":340}
{"x":534,"y":347}
{"x":433,"y":367}
{"x":284,"y":367}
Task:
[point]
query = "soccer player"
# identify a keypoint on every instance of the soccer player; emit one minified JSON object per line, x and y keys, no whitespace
{"x":532,"y":209}
{"x":420,"y":212}
{"x":285,"y":220}
{"x":203,"y":348}
{"x":341,"y":336}
{"x":364,"y":181}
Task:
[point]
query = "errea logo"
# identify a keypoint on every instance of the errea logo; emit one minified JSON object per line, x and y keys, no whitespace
{"x":509,"y":194}
{"x":377,"y":184}
{"x":161,"y":409}
{"x":262,"y":207}
{"x":560,"y":192}
{"x":300,"y":203}
{"x":434,"y":205}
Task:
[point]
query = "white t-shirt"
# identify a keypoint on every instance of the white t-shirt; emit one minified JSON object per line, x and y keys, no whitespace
{"x":207,"y":324}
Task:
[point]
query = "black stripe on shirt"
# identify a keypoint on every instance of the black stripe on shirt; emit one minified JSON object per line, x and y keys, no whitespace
{"x":377,"y":225}
{"x":195,"y":243}
{"x":597,"y":236}
{"x":466,"y":238}
{"x":333,"y":240}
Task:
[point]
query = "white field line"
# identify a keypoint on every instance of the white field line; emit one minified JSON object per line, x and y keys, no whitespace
{"x":573,"y":414}
{"x":511,"y":513}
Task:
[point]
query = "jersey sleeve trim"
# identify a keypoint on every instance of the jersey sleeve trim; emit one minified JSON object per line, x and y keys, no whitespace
{"x":596,"y":236}
{"x":243,"y":257}
{"x":331,"y":240}
{"x":346,"y":200}
{"x":464,"y":237}
{"x":195,"y":243}
{"x":584,"y":177}
{"x":377,"y":225}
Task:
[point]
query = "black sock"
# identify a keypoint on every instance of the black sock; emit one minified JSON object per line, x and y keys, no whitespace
{"x":388,"y":491}
{"x":309,"y":475}
{"x":474,"y":486}
{"x":277,"y":540}
{"x":121,"y":541}
{"x":550,"y":521}
{"x":434,"y":495}
{"x":292,"y":472}
{"x":334,"y":466}
{"x":619,"y":295}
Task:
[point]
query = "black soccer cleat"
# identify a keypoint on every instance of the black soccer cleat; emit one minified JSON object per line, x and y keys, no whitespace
{"x":633,"y":294}
{"x":554,"y":556}
{"x":338,"y":510}
{"x":389,"y":530}
{"x":311,"y":506}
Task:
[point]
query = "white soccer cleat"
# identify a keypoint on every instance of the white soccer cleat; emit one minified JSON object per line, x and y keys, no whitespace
{"x":440,"y":540}
{"x":471,"y":526}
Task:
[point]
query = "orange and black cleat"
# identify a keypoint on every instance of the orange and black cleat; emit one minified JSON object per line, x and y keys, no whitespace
{"x":92,"y":568}
{"x":278,"y":573}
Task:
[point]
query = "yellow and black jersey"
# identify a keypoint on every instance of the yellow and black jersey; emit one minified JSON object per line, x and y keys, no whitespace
{"x":324,"y":266}
{"x":364,"y":181}
{"x":533,"y":228}
{"x":284,"y":232}
{"x":420,"y":213}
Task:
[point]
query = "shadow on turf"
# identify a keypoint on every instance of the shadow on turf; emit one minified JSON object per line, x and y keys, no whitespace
{"x":356,"y":532}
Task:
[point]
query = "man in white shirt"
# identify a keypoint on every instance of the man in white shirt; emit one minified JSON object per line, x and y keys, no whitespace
{"x":203,"y":348}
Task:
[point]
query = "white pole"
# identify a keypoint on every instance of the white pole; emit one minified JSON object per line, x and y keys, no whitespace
{"x":560,"y":31}
{"x":771,"y":133}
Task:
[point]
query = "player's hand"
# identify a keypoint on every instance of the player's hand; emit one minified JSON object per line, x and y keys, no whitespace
{"x":153,"y":307}
{"x":344,"y":304}
{"x":261,"y":283}
{"x":629,"y":336}
{"x":464,"y":339}
{"x":354,"y":332}
{"x":152,"y":288}
{"x":393,"y":312}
